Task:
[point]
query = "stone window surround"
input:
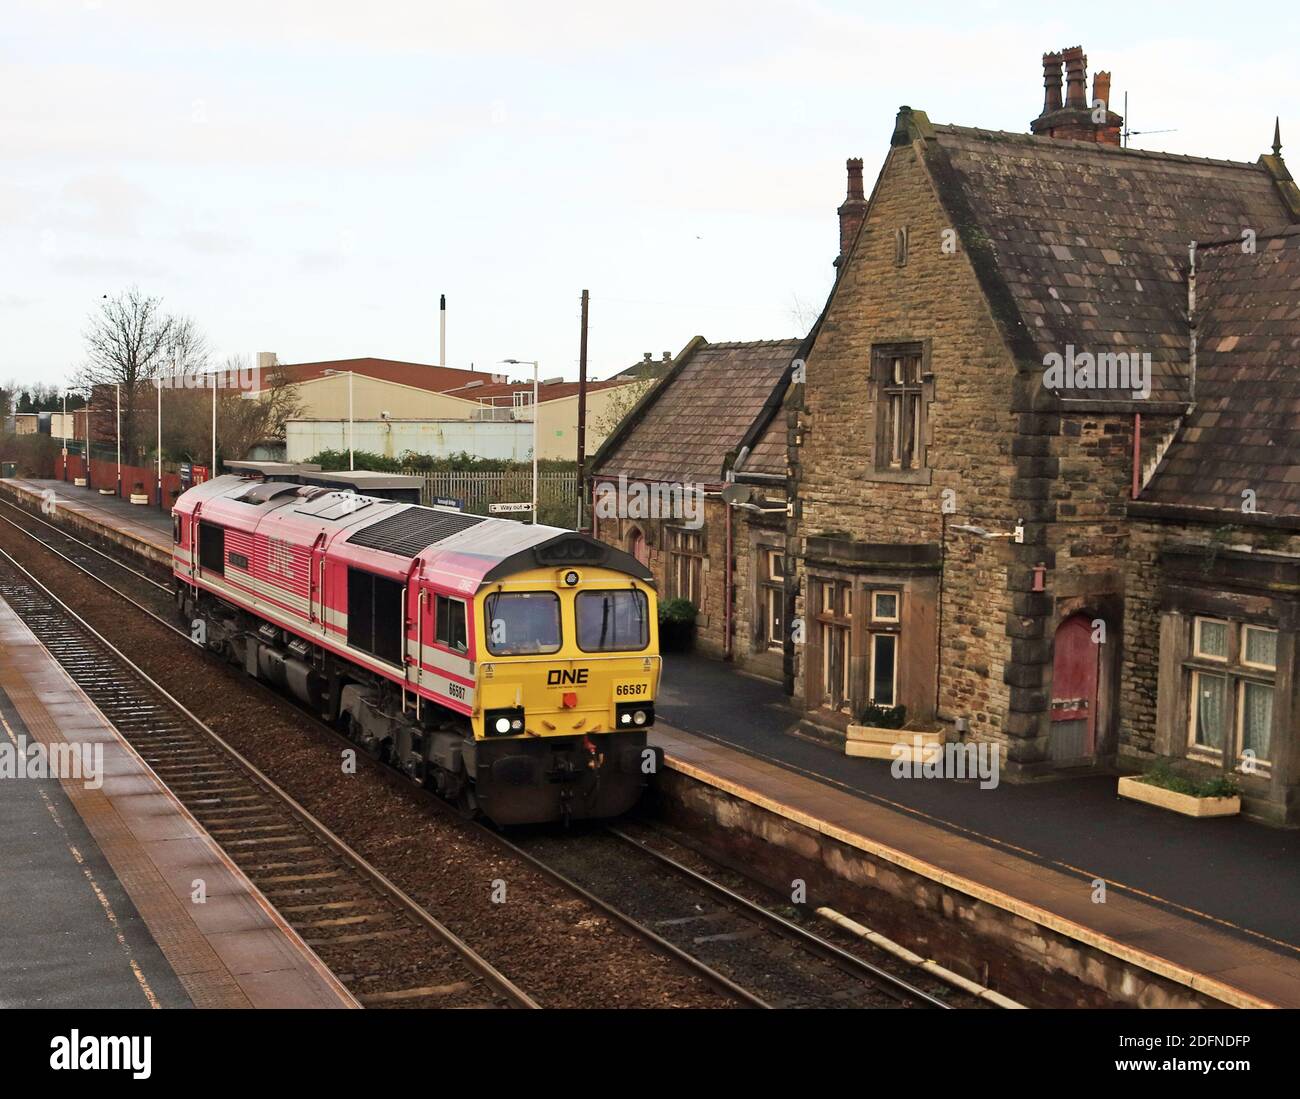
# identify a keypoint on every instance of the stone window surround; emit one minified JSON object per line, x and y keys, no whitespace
{"x":1234,"y":668}
{"x":861,"y":625}
{"x":880,"y":350}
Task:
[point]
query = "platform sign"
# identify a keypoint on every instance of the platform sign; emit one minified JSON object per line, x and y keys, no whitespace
{"x":187,"y":475}
{"x":448,"y":502}
{"x":199,"y":474}
{"x":505,"y":509}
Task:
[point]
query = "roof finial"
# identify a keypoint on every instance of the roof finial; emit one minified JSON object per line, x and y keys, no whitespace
{"x":1277,"y":136}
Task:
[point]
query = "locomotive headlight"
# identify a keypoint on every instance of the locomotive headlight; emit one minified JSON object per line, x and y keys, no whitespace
{"x":516,"y":725}
{"x":638,"y":718}
{"x":571,"y":578}
{"x":626,"y":718}
{"x":503,"y":725}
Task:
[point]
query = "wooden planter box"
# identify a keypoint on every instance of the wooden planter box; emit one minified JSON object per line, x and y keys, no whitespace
{"x":872,"y":742}
{"x":139,"y":497}
{"x":80,"y":482}
{"x":1186,"y":804}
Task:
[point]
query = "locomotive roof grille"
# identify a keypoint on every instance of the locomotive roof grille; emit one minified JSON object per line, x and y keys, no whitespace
{"x":413,"y":529}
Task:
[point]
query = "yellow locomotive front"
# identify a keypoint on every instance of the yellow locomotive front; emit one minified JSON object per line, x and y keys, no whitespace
{"x":568,"y":669}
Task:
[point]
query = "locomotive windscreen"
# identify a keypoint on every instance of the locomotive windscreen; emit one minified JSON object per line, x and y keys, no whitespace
{"x":413,"y":529}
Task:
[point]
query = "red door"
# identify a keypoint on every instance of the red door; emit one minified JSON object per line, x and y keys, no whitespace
{"x":1076,"y":662}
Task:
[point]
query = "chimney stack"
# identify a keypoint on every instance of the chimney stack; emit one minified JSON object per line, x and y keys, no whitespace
{"x":1076,"y":119}
{"x":854,"y":209}
{"x":442,"y":329}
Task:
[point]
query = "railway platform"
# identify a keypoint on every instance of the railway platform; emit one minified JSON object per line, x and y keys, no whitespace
{"x":1211,"y":905}
{"x":142,"y":529}
{"x":99,"y":869}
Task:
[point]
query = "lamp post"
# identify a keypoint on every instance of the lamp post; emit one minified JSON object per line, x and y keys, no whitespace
{"x":212,"y":471}
{"x":158,"y":383}
{"x":527,"y":362}
{"x":117,"y":391}
{"x":66,"y":391}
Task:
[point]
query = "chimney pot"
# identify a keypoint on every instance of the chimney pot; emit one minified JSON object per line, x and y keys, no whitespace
{"x":1101,"y":88}
{"x":645,"y":356}
{"x":1076,"y":77}
{"x":1051,"y":82}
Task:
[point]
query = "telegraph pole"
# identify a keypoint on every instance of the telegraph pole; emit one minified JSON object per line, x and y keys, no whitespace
{"x":582,"y":402}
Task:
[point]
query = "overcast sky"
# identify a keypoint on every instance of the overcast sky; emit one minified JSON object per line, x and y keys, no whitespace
{"x":306,"y":176}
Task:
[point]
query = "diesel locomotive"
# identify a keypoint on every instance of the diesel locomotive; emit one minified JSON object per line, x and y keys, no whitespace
{"x":511,"y":667}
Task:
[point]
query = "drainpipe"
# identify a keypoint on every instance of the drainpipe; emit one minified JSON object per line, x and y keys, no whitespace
{"x":726,"y":615}
{"x":1191,"y":324}
{"x":1137,"y":454}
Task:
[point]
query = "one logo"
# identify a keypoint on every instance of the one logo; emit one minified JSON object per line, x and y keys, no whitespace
{"x":563,"y":677}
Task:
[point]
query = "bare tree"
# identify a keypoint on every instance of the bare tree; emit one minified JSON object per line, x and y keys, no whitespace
{"x":244,"y":418}
{"x":131,"y":341}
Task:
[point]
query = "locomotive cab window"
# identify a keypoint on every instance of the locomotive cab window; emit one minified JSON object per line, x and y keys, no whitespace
{"x":612,"y":621}
{"x":375,"y":618}
{"x":176,"y":528}
{"x":523,"y":622}
{"x":449,"y":626}
{"x":212,"y":548}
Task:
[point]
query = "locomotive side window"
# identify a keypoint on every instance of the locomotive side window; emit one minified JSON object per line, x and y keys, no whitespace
{"x":375,"y":619}
{"x":176,"y":528}
{"x":450,"y":625}
{"x":212,"y":548}
{"x":612,"y":621}
{"x":520,"y":622}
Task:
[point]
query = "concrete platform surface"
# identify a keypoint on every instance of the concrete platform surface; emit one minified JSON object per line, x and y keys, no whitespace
{"x":139,"y":526}
{"x":97,"y":873}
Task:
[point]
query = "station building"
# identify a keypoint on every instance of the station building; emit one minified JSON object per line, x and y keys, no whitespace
{"x":1043,"y":465}
{"x":712,"y":424}
{"x":1021,"y":551}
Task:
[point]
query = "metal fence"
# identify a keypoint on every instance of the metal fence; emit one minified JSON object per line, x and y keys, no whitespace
{"x":478,"y":489}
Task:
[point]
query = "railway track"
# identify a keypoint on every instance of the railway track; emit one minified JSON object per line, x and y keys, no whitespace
{"x":749,"y":954}
{"x":774,"y":962}
{"x":347,"y":911}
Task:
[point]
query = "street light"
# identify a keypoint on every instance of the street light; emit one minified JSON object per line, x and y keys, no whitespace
{"x":66,"y":391}
{"x":526,"y":362}
{"x":351,"y":463}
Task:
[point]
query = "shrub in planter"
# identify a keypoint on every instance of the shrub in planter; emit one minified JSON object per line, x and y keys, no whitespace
{"x":676,"y":625}
{"x":884,"y":717}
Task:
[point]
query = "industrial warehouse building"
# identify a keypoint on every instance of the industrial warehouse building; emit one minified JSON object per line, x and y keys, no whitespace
{"x":1089,"y":567}
{"x":435,"y":410}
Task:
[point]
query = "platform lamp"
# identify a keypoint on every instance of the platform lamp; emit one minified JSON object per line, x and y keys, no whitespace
{"x":66,"y":391}
{"x":351,"y":462}
{"x":117,"y":392}
{"x":526,"y":362}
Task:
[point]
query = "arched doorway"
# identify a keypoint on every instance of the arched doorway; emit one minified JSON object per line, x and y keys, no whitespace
{"x":1076,"y":671}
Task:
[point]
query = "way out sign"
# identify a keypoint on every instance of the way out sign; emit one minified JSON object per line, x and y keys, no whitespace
{"x":500,"y":509}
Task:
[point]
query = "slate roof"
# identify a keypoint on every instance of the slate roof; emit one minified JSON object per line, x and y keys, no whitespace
{"x":1086,"y":244}
{"x":699,"y":413}
{"x":420,"y":375}
{"x":1245,"y":430}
